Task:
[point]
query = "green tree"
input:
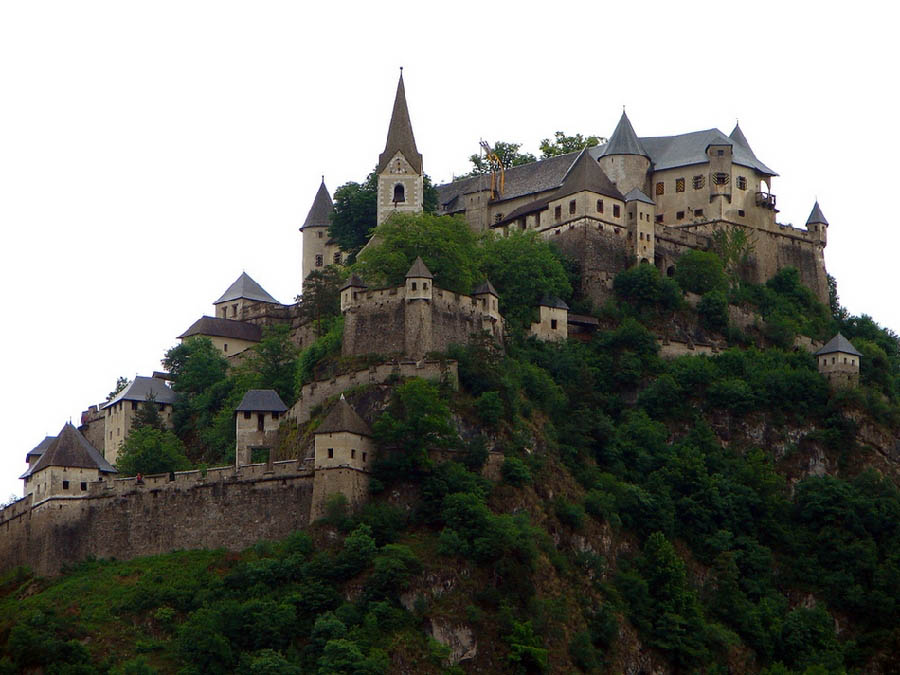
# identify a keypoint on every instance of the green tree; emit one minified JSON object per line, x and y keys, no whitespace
{"x":195,"y":365}
{"x":147,"y":414}
{"x":523,"y":268}
{"x":508,"y":153}
{"x":356,"y":211}
{"x":148,"y":450}
{"x":321,"y":297}
{"x":121,"y":383}
{"x":273,"y":362}
{"x":734,"y":246}
{"x":563,"y":144}
{"x":700,"y":272}
{"x":446,"y":244}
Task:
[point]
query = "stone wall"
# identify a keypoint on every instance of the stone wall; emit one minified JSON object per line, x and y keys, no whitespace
{"x":377,"y":325}
{"x":316,"y":393}
{"x":93,"y":426}
{"x":224,"y":508}
{"x":601,"y":251}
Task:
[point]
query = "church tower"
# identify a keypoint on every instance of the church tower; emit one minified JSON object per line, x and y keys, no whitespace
{"x":400,"y":165}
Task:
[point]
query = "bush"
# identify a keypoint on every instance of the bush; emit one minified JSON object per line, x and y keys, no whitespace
{"x":515,"y":472}
{"x":489,"y":407}
{"x":713,"y":311}
{"x":700,"y":272}
{"x":643,"y":287}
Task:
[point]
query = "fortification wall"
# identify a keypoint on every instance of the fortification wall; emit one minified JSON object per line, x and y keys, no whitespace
{"x":601,"y":250}
{"x":122,"y":519}
{"x":316,"y":393}
{"x":376,"y":325}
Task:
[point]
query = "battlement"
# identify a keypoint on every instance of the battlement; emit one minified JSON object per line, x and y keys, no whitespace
{"x":315,"y":393}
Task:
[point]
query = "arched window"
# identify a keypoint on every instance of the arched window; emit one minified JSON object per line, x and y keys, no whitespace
{"x":399,"y":193}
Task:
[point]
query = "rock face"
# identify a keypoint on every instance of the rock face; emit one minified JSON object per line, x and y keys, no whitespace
{"x":458,"y":637}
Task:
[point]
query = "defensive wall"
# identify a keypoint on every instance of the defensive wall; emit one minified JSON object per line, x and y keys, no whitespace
{"x":218,"y":508}
{"x":316,"y":393}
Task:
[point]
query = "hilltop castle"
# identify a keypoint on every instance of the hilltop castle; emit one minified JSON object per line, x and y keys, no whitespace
{"x":631,"y":200}
{"x":644,"y":199}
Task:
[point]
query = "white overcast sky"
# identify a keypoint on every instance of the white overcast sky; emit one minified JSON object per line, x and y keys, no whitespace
{"x":151,"y":151}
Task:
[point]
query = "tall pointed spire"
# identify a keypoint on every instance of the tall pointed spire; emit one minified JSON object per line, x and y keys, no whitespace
{"x":738,"y":136}
{"x":816,"y":217}
{"x":624,"y":141}
{"x":400,"y":134}
{"x":320,"y":213}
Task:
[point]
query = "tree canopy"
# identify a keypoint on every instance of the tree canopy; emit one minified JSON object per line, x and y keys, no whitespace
{"x":507,"y":152}
{"x":563,"y":144}
{"x":149,"y":450}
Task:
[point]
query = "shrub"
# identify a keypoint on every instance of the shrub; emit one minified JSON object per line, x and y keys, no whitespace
{"x":700,"y":272}
{"x":489,"y":407}
{"x":515,"y":472}
{"x":643,"y":287}
{"x":713,"y":311}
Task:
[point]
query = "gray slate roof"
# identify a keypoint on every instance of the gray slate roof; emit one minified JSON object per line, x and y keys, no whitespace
{"x":485,"y":287}
{"x":245,"y":287}
{"x":72,"y":449}
{"x":665,"y":152}
{"x":344,"y":418}
{"x":816,"y":216}
{"x":548,"y":301}
{"x":419,"y":270}
{"x":838,"y":344}
{"x":320,"y":213}
{"x":41,"y":447}
{"x":353,"y":282}
{"x":212,"y":326}
{"x":141,"y":388}
{"x":635,"y":195}
{"x":400,"y":134}
{"x":624,"y":141}
{"x":261,"y":400}
{"x":586,"y":175}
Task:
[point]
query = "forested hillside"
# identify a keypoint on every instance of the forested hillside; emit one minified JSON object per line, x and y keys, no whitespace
{"x":583,"y":506}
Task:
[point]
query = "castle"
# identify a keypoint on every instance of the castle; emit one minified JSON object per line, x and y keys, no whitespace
{"x":631,"y":200}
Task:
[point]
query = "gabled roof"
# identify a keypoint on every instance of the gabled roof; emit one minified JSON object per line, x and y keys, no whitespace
{"x":41,"y":447}
{"x":400,"y":136}
{"x":344,"y":418}
{"x":320,"y":213}
{"x":485,"y":287}
{"x":141,"y":388}
{"x":419,"y":270}
{"x":624,"y":141}
{"x":72,"y":449}
{"x":548,"y":301}
{"x":353,"y":282}
{"x":212,"y":326}
{"x":838,"y":344}
{"x":585,"y":175}
{"x":816,"y":217}
{"x":261,"y":400}
{"x":635,"y":195}
{"x":245,"y":287}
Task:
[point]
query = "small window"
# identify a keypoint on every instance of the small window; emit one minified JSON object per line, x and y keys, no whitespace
{"x":742,"y":182}
{"x":557,"y":212}
{"x":234,"y":310}
{"x":616,"y":211}
{"x":414,"y":285}
{"x":832,"y":360}
{"x":721,"y":178}
{"x":741,"y":213}
{"x":337,"y":258}
{"x":352,"y":453}
{"x":330,"y":453}
{"x":720,"y":153}
{"x":247,"y":414}
{"x":845,"y":360}
{"x":365,"y":456}
{"x":679,"y":185}
{"x":65,"y":485}
{"x":552,"y":324}
{"x":659,"y":218}
{"x":225,"y":347}
{"x":679,"y":215}
{"x":275,"y":415}
{"x":83,"y":486}
{"x":134,"y":405}
{"x":399,"y":193}
{"x":699,"y":182}
{"x":599,"y":206}
{"x":497,"y":218}
{"x":660,"y":188}
{"x":260,"y":421}
{"x":571,"y":206}
{"x":319,"y":233}
{"x":698,"y":213}
{"x":319,"y":261}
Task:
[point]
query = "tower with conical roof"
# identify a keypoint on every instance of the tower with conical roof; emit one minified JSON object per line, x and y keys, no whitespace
{"x":624,"y":158}
{"x":400,"y":177}
{"x":318,"y":248}
{"x":240,"y":295}
{"x":817,"y":224}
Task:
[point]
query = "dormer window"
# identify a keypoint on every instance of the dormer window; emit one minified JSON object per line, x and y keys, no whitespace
{"x":399,"y":193}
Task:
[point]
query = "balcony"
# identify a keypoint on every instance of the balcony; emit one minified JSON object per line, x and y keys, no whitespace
{"x":765,"y":200}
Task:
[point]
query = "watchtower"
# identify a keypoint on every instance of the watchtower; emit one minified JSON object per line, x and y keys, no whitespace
{"x":839,"y":362}
{"x":257,"y":419}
